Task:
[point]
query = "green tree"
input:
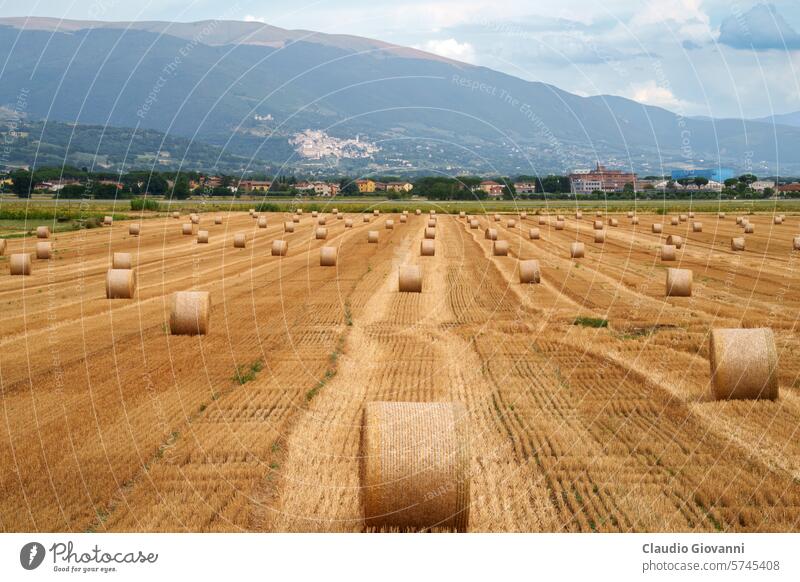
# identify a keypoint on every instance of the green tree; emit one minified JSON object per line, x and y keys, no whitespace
{"x":180,"y":190}
{"x":748,"y":179}
{"x":699,"y":181}
{"x":21,"y":183}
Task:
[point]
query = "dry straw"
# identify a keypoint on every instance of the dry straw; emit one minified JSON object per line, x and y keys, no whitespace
{"x":598,"y":225}
{"x":674,"y":221}
{"x":335,"y":211}
{"x":2,"y":246}
{"x":490,"y":234}
{"x":559,"y":225}
{"x":777,"y":220}
{"x":529,"y":271}
{"x":697,"y":227}
{"x":523,"y":215}
{"x":299,"y":211}
{"x":202,"y":237}
{"x":511,"y":223}
{"x":314,"y":214}
{"x":134,"y":229}
{"x":120,"y":283}
{"x":474,"y":224}
{"x":675,"y":240}
{"x":721,"y":215}
{"x":657,"y":227}
{"x":613,"y":222}
{"x":683,"y":218}
{"x":295,"y":219}
{"x":217,"y":220}
{"x":560,"y":217}
{"x":737,"y":243}
{"x":542,"y":221}
{"x":497,"y":218}
{"x":500,"y":248}
{"x":252,"y":212}
{"x":366,"y":218}
{"x":372,"y":236}
{"x":462,"y":214}
{"x":795,"y":243}
{"x":190,"y":313}
{"x":280,"y":248}
{"x":749,"y":228}
{"x":44,"y":250}
{"x":579,"y":215}
{"x":403,"y":218}
{"x":186,"y":228}
{"x":321,"y":233}
{"x":679,"y":283}
{"x":376,"y":212}
{"x":629,"y":214}
{"x":43,"y":232}
{"x":176,"y":214}
{"x":667,"y":252}
{"x":288,"y":227}
{"x":410,"y":279}
{"x":348,"y":223}
{"x":322,"y":221}
{"x":432,"y":213}
{"x":599,"y":236}
{"x":576,"y":250}
{"x":121,"y":261}
{"x":108,"y":220}
{"x":20,"y":264}
{"x":415,"y":465}
{"x":328,"y":256}
{"x":598,"y":214}
{"x":262,"y":222}
{"x":427,"y":248}
{"x":534,"y":234}
{"x":239,"y":240}
{"x":432,"y":223}
{"x":389,"y":224}
{"x":418,"y":212}
{"x":744,"y":364}
{"x":430,"y":233}
{"x":691,"y":215}
{"x":739,"y":220}
{"x":635,"y":220}
{"x":195,"y":218}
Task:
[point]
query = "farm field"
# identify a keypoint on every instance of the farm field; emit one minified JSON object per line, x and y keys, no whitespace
{"x":587,"y":395}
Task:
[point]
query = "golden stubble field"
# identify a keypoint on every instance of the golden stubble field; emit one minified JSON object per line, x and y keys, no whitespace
{"x":108,"y":423}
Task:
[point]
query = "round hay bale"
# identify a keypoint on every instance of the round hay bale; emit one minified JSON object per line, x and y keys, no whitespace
{"x":497,"y":218}
{"x":252,"y":211}
{"x":195,"y":218}
{"x":314,"y":214}
{"x":667,"y":252}
{"x":511,"y":223}
{"x":599,"y":236}
{"x":217,"y":220}
{"x":629,"y":214}
{"x":559,"y":225}
{"x":697,"y":226}
{"x":418,"y":212}
{"x":405,"y":212}
{"x":299,"y":211}
{"x":691,"y":215}
{"x":679,"y":282}
{"x":280,"y":248}
{"x":322,"y":221}
{"x":739,"y":220}
{"x":176,"y":214}
{"x":321,"y":233}
{"x":534,"y":234}
{"x":190,"y":313}
{"x":121,"y":261}
{"x":348,"y":223}
{"x":658,"y":227}
{"x":462,"y":214}
{"x":403,"y":218}
{"x":578,"y":215}
{"x":328,"y":256}
{"x":749,"y":228}
{"x":376,"y":212}
{"x":2,"y":246}
{"x":262,"y":222}
{"x":288,"y":227}
{"x":366,"y":218}
{"x":432,"y":212}
{"x":721,"y":215}
{"x":415,"y":465}
{"x":474,"y":224}
{"x":737,"y":243}
{"x":598,"y":225}
{"x":20,"y":264}
{"x":529,"y":272}
{"x":202,"y":237}
{"x":560,"y":217}
{"x":120,"y":283}
{"x":427,"y":248}
{"x":389,"y":224}
{"x":373,"y":236}
{"x":42,"y":232}
{"x":795,"y":243}
{"x":490,"y":234}
{"x":576,"y":250}
{"x":431,"y":223}
{"x":44,"y":251}
{"x":598,"y":214}
{"x":675,"y":240}
{"x":430,"y":233}
{"x":674,"y":221}
{"x":744,"y":364}
{"x":335,"y":211}
{"x":523,"y":215}
{"x":134,"y":229}
{"x":186,"y":228}
{"x":410,"y":279}
{"x":635,"y":220}
{"x":683,"y":218}
{"x":613,"y":222}
{"x":239,"y":240}
{"x":542,"y":220}
{"x":500,"y":248}
{"x":108,"y":220}
{"x":777,"y":220}
{"x":295,"y":219}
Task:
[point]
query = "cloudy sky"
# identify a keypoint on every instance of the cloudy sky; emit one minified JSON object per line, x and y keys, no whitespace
{"x":726,"y":58}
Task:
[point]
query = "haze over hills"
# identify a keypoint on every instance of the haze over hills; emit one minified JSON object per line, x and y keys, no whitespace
{"x":249,"y":88}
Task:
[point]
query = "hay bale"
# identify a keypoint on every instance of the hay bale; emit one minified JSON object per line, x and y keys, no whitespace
{"x":376,"y":212}
{"x":635,"y":220}
{"x":321,"y":233}
{"x":629,"y":214}
{"x":559,"y":225}
{"x":432,"y":213}
{"x":667,"y":252}
{"x":427,"y":248}
{"x":739,"y":220}
{"x":490,"y":234}
{"x":777,"y":220}
{"x":431,"y":223}
{"x":598,"y":225}
{"x":523,"y":215}
{"x":2,"y":246}
{"x":462,"y":214}
{"x":299,"y":211}
{"x":497,"y":218}
{"x":403,"y":218}
{"x":372,"y":236}
{"x":418,"y":212}
{"x":217,"y":220}
{"x":108,"y":220}
{"x":295,"y":219}
{"x":262,"y":222}
{"x":599,"y":236}
{"x":691,"y":215}
{"x":795,"y":243}
{"x":474,"y":224}
{"x":42,"y":232}
{"x":176,"y":214}
{"x":328,"y":256}
{"x":322,"y":221}
{"x":366,"y":218}
{"x":560,"y":217}
{"x":675,"y":240}
{"x":202,"y":237}
{"x":737,"y":243}
{"x":534,"y":234}
{"x":415,"y":471}
{"x":120,"y":283}
{"x":529,"y":272}
{"x":410,"y":279}
{"x":674,"y":221}
{"x":134,"y":229}
{"x":598,"y":214}
{"x":542,"y":220}
{"x":314,"y":214}
{"x":749,"y":228}
{"x":121,"y":261}
{"x":335,"y":211}
{"x":721,"y":215}
{"x":186,"y":228}
{"x":44,"y":251}
{"x":252,"y":212}
{"x":744,"y":364}
{"x":578,"y":215}
{"x":239,"y":240}
{"x":658,"y":227}
{"x":405,"y":212}
{"x":190,"y":313}
{"x":389,"y":224}
{"x":683,"y":218}
{"x":195,"y":218}
{"x":576,"y":250}
{"x":500,"y":248}
{"x":511,"y":223}
{"x":288,"y":226}
{"x":430,"y":233}
{"x":679,"y":283}
{"x":613,"y":222}
{"x":280,"y":248}
{"x":20,"y":264}
{"x":348,"y":223}
{"x":697,"y":226}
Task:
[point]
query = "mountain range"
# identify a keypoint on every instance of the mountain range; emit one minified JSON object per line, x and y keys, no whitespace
{"x":247,"y":88}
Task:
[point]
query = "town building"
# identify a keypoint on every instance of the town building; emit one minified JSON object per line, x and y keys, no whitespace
{"x":365,"y":186}
{"x":525,"y":187}
{"x":492,"y":188}
{"x":761,"y":185}
{"x":248,"y":186}
{"x":600,"y":179}
{"x":399,"y":186}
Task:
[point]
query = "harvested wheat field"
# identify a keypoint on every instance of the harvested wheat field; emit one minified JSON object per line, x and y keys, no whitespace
{"x":581,"y":402}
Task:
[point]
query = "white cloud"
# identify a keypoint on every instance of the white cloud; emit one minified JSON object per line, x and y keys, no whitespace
{"x":251,"y":18}
{"x":450,"y":48}
{"x":685,"y":19}
{"x":651,"y":93}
